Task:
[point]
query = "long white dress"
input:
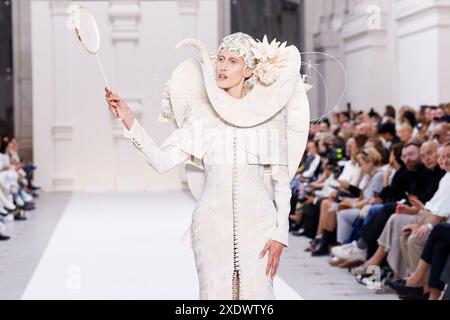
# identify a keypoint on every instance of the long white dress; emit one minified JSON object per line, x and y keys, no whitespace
{"x":235,"y":215}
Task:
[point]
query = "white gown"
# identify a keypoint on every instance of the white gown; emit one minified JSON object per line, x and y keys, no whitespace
{"x":235,"y":215}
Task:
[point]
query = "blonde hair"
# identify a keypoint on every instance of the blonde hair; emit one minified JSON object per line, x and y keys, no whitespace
{"x":371,"y":155}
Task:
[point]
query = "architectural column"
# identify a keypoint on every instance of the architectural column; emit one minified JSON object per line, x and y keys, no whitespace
{"x":125,"y":17}
{"x":188,"y":13}
{"x":23,"y":111}
{"x":327,"y":41}
{"x":62,"y":126}
{"x":366,"y":52}
{"x":423,"y":48}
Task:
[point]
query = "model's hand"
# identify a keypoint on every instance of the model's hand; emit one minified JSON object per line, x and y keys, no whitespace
{"x":119,"y":108}
{"x":275,"y":248}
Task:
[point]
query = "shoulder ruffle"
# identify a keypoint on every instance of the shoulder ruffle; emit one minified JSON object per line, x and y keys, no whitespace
{"x":194,"y":136}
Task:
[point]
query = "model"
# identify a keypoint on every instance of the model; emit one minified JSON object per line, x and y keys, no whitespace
{"x":243,"y":117}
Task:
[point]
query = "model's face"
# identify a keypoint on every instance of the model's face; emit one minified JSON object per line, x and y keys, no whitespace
{"x":230,"y":70}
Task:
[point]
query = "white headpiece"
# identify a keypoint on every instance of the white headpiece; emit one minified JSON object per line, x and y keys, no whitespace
{"x":263,"y":57}
{"x":242,"y":45}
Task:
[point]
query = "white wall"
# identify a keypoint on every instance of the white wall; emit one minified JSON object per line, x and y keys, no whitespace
{"x":400,"y":60}
{"x":76,"y":142}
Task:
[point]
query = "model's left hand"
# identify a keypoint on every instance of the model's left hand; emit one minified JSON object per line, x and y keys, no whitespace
{"x":275,"y":248}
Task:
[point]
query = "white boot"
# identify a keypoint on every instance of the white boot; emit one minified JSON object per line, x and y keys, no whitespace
{"x":6,"y":202}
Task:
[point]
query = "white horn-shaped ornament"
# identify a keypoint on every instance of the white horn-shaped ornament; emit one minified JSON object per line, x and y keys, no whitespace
{"x":197,"y":44}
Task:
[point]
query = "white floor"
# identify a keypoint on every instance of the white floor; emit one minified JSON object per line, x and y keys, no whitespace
{"x":122,"y":246}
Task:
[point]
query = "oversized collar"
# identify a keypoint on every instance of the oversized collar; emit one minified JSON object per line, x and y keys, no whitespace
{"x":261,"y":102}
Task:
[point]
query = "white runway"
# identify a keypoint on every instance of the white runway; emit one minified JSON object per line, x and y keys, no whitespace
{"x":122,"y":246}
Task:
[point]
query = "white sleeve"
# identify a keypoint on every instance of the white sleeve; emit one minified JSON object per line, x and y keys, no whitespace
{"x":282,"y":195}
{"x":161,"y":159}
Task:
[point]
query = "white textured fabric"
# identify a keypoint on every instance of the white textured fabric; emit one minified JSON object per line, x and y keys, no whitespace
{"x":258,"y":217}
{"x":249,"y":149}
{"x":188,"y":95}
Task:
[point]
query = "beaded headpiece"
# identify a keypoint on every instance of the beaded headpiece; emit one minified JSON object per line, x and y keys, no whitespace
{"x":240,"y":44}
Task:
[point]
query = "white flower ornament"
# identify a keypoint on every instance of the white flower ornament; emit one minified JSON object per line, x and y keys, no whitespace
{"x":270,"y":58}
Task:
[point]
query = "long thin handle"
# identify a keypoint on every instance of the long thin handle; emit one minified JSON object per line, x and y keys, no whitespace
{"x":104,"y":76}
{"x":101,"y":69}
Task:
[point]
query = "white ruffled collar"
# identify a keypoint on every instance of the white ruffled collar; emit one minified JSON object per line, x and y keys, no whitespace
{"x":261,"y":102}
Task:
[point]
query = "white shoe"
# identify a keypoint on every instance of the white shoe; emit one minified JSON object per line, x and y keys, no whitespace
{"x":19,"y":201}
{"x":3,"y":210}
{"x":350,"y":252}
{"x":9,"y":205}
{"x":26,"y":196}
{"x":9,"y":218}
{"x":6,"y":202}
{"x":340,"y":248}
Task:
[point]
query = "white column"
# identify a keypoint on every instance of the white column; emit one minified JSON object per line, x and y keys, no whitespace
{"x":366,"y":52}
{"x":423,"y":42}
{"x":62,"y":127}
{"x":23,"y":122}
{"x":188,"y":12}
{"x":125,"y":17}
{"x":188,"y":15}
{"x":224,"y":14}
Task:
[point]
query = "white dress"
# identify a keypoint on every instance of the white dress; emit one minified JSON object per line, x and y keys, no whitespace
{"x":235,"y":214}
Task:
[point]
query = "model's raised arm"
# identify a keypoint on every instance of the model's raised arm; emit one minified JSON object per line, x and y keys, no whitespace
{"x":160,"y":159}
